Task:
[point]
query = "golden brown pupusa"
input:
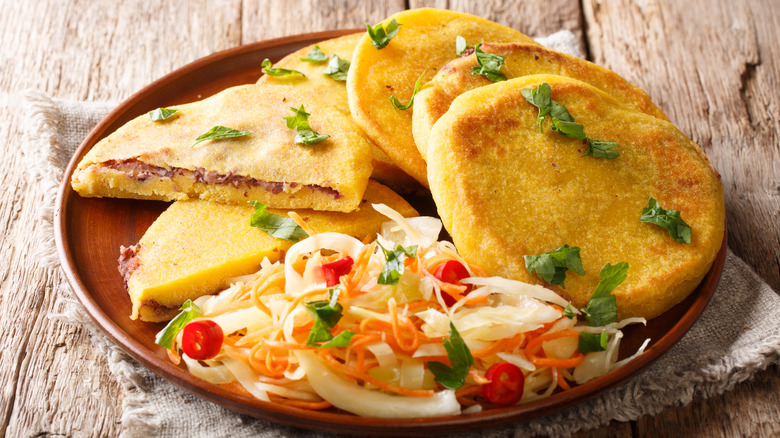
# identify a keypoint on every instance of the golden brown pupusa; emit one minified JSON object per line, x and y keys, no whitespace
{"x":504,"y":190}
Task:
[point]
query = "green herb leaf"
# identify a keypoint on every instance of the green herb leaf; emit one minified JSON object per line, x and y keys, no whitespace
{"x":558,"y":111}
{"x":552,"y":266}
{"x":397,"y":103}
{"x":669,"y":219}
{"x":337,"y":68}
{"x":568,"y":312}
{"x":602,"y":306}
{"x":394,"y":267}
{"x":601,"y":149}
{"x":326,"y":314}
{"x":381,"y":36}
{"x":589,"y":342}
{"x":540,"y":98}
{"x":161,"y":114}
{"x":460,"y":45}
{"x":219,"y":132}
{"x":315,"y":55}
{"x":304,"y":133}
{"x":489,"y":65}
{"x":568,"y":129}
{"x":271,"y":71}
{"x":342,"y":340}
{"x":458,"y":353}
{"x":276,"y":226}
{"x":189,"y":311}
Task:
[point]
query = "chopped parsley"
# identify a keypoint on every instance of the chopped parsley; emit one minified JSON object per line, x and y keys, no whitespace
{"x":568,"y":312}
{"x":669,"y":219}
{"x":601,"y":149}
{"x":274,"y":71}
{"x":552,"y":266}
{"x":274,"y":225}
{"x":326,"y":314}
{"x":220,"y":132}
{"x":489,"y":65}
{"x":397,"y":103}
{"x":166,"y":336}
{"x":589,"y":342}
{"x":161,"y":114}
{"x":381,"y":36}
{"x":337,"y":68}
{"x":303,"y":132}
{"x":461,"y":360}
{"x":315,"y":55}
{"x":602,"y":306}
{"x":394,"y":267}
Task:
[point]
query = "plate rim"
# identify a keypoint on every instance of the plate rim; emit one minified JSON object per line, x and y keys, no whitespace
{"x":328,"y":421}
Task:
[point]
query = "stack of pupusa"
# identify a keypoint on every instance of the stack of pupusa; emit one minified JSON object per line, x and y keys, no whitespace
{"x":505,"y":190}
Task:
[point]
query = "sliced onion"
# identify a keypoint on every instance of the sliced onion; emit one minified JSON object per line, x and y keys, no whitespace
{"x":519,"y":288}
{"x":250,"y":318}
{"x":246,"y":377}
{"x":517,"y":359}
{"x":295,"y":284}
{"x":217,"y":374}
{"x":412,"y":374}
{"x":384,"y":354}
{"x":426,"y":350}
{"x":347,"y":395}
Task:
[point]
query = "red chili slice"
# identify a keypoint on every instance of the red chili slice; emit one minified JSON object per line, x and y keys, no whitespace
{"x":452,"y":272}
{"x":336,"y":269}
{"x":202,"y":339}
{"x":506,"y":384}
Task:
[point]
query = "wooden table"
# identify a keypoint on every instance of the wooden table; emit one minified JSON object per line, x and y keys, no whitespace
{"x":711,"y":65}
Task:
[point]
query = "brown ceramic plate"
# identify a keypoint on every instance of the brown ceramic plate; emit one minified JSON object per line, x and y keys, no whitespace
{"x":90,"y":231}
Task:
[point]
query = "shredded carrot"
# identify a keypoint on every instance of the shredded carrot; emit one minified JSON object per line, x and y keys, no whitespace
{"x":173,"y":355}
{"x":303,"y":404}
{"x":462,"y":394}
{"x":301,"y":223}
{"x":490,"y":350}
{"x":477,"y":300}
{"x":355,"y":374}
{"x":562,"y":381}
{"x":478,"y":377}
{"x":534,"y":345}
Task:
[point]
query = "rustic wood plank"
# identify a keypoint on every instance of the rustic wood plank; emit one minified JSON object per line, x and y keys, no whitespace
{"x":710,"y":66}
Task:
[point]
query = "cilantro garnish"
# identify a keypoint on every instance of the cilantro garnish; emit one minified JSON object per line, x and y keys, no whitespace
{"x":166,"y":336}
{"x":220,"y":132}
{"x":563,"y":123}
{"x":489,"y":65}
{"x":272,"y":71}
{"x":315,"y":55}
{"x":337,"y":68}
{"x":552,"y":266}
{"x":394,"y":267}
{"x":381,"y":36}
{"x":460,"y":45}
{"x":589,"y":342}
{"x":276,"y":226}
{"x":304,"y":133}
{"x":568,"y":312}
{"x":602,"y":306}
{"x":397,"y":103}
{"x":669,"y":219}
{"x":161,"y":114}
{"x":326,"y":314}
{"x":458,"y":353}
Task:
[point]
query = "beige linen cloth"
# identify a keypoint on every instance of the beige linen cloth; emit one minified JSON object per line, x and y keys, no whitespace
{"x":737,"y":335}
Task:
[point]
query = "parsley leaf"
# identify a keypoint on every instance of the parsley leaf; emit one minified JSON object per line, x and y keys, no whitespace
{"x":460,"y":357}
{"x":276,"y":226}
{"x":220,"y":132}
{"x":540,"y":98}
{"x":669,"y":219}
{"x":304,"y":133}
{"x":189,"y":311}
{"x":161,"y":114}
{"x":315,"y":55}
{"x":397,"y":103}
{"x":601,"y":149}
{"x":589,"y":342}
{"x":552,"y":266}
{"x":271,"y":71}
{"x":394,"y":267}
{"x":602,"y":306}
{"x":489,"y":65}
{"x":568,"y":312}
{"x":337,"y":68}
{"x":326,"y":314}
{"x":568,"y":129}
{"x":460,"y":45}
{"x":381,"y":36}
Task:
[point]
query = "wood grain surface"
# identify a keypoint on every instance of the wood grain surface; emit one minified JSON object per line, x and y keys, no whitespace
{"x":710,"y":64}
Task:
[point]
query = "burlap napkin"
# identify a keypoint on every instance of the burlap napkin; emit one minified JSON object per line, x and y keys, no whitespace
{"x":738,"y":334}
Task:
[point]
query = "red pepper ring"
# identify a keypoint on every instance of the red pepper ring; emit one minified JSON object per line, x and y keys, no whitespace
{"x":202,"y":339}
{"x":335,"y":269}
{"x":452,"y":272}
{"x":506,"y":385}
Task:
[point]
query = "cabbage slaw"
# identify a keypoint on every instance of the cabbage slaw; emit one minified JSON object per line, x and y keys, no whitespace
{"x":394,"y":330}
